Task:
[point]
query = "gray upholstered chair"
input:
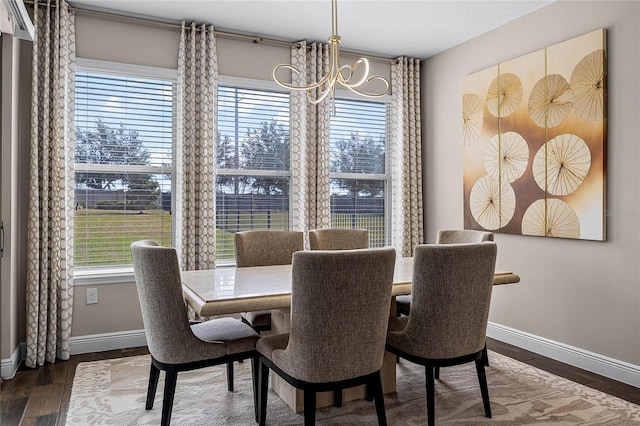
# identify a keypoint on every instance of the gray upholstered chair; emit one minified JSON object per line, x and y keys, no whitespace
{"x":338,"y":239}
{"x":451,"y":291}
{"x":339,"y":313}
{"x":176,"y":345}
{"x":264,"y":248}
{"x":446,"y":236}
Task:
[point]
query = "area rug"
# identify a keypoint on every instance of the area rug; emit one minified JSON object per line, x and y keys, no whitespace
{"x":113,"y":392}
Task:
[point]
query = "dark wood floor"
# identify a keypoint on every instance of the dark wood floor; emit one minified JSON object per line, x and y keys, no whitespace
{"x":41,"y":396}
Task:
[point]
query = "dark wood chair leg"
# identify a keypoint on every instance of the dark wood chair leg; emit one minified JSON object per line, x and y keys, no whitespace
{"x":430,"y":385}
{"x":263,"y":385}
{"x":170,"y":379}
{"x":230,"y":376}
{"x":309,"y":407}
{"x":485,"y":355}
{"x":484,"y":389}
{"x":255,"y":368}
{"x":376,"y":388}
{"x":154,"y":375}
{"x":337,"y":398}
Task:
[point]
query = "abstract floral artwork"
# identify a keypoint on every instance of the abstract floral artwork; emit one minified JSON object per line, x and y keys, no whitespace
{"x":534,"y":142}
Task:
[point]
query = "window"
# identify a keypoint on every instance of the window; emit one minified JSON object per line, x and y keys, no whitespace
{"x":253,"y":175}
{"x":123,"y":161}
{"x":358,"y":168}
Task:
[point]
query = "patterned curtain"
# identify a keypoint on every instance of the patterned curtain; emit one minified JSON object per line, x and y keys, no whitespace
{"x":309,"y":141}
{"x":51,"y":212}
{"x":196,"y":148}
{"x":406,"y":156}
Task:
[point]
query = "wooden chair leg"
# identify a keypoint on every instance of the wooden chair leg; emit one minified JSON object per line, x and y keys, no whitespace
{"x":485,"y":355}
{"x":430,"y":385}
{"x":170,"y":379}
{"x":263,"y":386}
{"x":484,"y":389}
{"x":337,"y":398}
{"x":309,"y":407}
{"x":255,"y":368}
{"x":154,"y":375}
{"x":230,"y":376}
{"x":376,"y":387}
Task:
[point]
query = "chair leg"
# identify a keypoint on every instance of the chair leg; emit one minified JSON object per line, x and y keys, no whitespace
{"x":337,"y":398}
{"x":263,"y":389}
{"x":309,"y":407}
{"x":154,"y":375}
{"x":437,"y":373}
{"x":376,"y":387}
{"x":170,"y":379}
{"x":255,"y":369}
{"x":230,"y":376}
{"x":430,"y":385}
{"x":484,"y":389}
{"x":368,"y":392}
{"x":485,"y":355}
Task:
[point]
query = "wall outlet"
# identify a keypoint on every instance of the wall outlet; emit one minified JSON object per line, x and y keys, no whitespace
{"x":92,"y":296}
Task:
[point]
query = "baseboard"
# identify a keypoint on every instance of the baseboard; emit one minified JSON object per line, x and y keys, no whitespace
{"x":608,"y":367}
{"x":107,"y":341}
{"x":9,"y":366}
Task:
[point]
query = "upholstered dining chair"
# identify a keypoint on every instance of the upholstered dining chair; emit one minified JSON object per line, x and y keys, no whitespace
{"x":338,"y":239}
{"x":446,"y":236}
{"x":174,"y":344}
{"x":447,"y":323}
{"x":264,"y":248}
{"x":339,"y":309}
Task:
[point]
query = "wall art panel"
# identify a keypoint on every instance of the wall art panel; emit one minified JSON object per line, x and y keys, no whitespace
{"x":534,"y":142}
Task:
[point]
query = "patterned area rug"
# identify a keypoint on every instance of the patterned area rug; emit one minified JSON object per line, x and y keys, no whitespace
{"x":112,"y":392}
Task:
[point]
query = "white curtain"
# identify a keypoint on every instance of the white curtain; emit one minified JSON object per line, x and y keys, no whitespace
{"x":51,"y":211}
{"x":406,"y":156}
{"x":309,"y":141}
{"x":196,"y":148}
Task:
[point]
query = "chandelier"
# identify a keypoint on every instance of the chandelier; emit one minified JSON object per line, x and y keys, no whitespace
{"x":337,"y":74}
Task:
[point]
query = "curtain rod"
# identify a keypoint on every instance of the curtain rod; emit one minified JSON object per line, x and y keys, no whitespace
{"x":227,"y":34}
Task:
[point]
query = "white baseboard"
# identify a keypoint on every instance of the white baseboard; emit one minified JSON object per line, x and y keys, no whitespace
{"x":614,"y":369}
{"x":107,"y":341}
{"x":9,"y":366}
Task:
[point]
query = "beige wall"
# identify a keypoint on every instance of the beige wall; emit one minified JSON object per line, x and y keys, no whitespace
{"x":581,"y":293}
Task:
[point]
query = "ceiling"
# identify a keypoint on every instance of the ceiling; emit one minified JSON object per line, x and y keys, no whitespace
{"x":390,"y":28}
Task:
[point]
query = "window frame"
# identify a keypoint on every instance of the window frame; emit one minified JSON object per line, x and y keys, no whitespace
{"x":124,"y":274}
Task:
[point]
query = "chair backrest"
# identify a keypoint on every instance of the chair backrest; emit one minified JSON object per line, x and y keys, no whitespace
{"x":338,"y":239}
{"x":264,"y":247}
{"x":159,"y":285}
{"x":450,"y":293}
{"x":457,"y":236}
{"x":339,"y":313}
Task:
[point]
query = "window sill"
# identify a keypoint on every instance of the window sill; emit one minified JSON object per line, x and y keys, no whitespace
{"x":103,"y":276}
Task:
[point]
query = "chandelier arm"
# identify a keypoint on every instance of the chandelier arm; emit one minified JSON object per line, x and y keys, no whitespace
{"x":352,"y":69}
{"x":297,"y":71}
{"x":372,"y":95}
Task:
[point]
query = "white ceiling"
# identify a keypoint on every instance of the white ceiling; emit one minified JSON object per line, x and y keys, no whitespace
{"x":416,"y":28}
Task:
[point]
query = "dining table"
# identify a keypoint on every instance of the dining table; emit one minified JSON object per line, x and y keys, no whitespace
{"x":230,"y":290}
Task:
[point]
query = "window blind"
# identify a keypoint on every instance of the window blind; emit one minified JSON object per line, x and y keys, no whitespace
{"x":253,"y":159}
{"x":358,"y":167}
{"x":123,"y":165}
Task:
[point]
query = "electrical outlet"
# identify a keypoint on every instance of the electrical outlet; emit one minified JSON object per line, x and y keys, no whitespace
{"x":92,"y":296}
